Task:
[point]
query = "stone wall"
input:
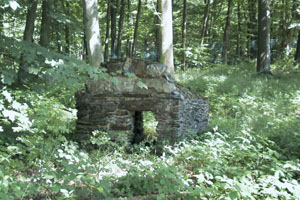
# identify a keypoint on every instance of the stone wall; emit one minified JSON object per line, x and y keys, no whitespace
{"x":106,"y":106}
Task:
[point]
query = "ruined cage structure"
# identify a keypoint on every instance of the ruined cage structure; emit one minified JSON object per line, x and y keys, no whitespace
{"x":107,"y":106}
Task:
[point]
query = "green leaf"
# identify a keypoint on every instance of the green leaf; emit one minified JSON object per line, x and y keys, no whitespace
{"x":142,"y":85}
{"x":49,"y":176}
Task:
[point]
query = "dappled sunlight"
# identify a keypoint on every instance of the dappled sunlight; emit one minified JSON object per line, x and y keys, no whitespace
{"x":217,"y":79}
{"x":239,"y":99}
{"x":249,"y":150}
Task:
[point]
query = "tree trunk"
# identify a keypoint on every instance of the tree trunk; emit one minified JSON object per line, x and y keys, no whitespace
{"x":58,"y":37}
{"x":120,"y":31}
{"x":293,"y":31}
{"x":45,"y":33}
{"x":212,"y":18}
{"x":167,"y":35}
{"x":205,"y":21}
{"x":296,"y":16}
{"x":157,"y":31}
{"x":226,"y":33}
{"x":252,"y":27}
{"x":106,"y":51}
{"x":92,"y":32}
{"x":297,"y":55}
{"x":183,"y":34}
{"x":23,"y":75}
{"x":128,"y":42}
{"x":84,"y":47}
{"x":263,"y":57}
{"x":284,"y":25}
{"x":66,"y":9}
{"x":239,"y":35}
{"x":1,"y":23}
{"x":30,"y":19}
{"x":133,"y":49}
{"x":113,"y":13}
{"x":56,"y":30}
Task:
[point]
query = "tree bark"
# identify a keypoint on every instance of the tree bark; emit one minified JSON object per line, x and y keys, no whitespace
{"x":66,"y":9}
{"x":212,"y":18}
{"x":239,"y":35}
{"x":297,"y":55}
{"x":128,"y":42}
{"x":167,"y":35}
{"x":45,"y":33}
{"x":296,"y":16}
{"x":183,"y":34}
{"x":84,"y":47}
{"x":205,"y":21}
{"x":56,"y":27}
{"x":1,"y":23}
{"x":106,"y":50}
{"x":157,"y":31}
{"x":264,"y":55}
{"x":226,"y":33}
{"x":56,"y":30}
{"x":92,"y":32}
{"x":133,"y":49}
{"x":23,"y":75}
{"x":113,"y":13}
{"x":283,"y":27}
{"x":252,"y":24}
{"x":120,"y":30}
{"x":30,"y":19}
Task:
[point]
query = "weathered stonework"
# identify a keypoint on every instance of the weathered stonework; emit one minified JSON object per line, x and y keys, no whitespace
{"x":107,"y":106}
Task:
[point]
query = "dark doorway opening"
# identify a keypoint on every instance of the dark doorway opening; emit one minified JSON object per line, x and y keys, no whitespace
{"x":144,"y":126}
{"x":138,"y":129}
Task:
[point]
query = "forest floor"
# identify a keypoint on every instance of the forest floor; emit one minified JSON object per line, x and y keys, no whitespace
{"x":250,"y":151}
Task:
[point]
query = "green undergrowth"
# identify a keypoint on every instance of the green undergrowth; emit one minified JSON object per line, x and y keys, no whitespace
{"x":241,"y":100}
{"x":251,"y":150}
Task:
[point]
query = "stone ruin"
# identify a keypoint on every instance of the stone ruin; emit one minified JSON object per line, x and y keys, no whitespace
{"x":107,"y":106}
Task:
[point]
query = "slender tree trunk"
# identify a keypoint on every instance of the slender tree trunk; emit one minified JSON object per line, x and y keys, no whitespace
{"x":183,"y":33}
{"x":293,"y":16}
{"x":133,"y":49}
{"x":120,"y":30}
{"x":23,"y":75}
{"x":84,"y":47}
{"x":66,"y":9}
{"x":167,"y":35}
{"x":157,"y":31}
{"x":284,"y":25}
{"x":92,"y":31}
{"x":56,"y":30}
{"x":67,"y":38}
{"x":58,"y":37}
{"x":106,"y":51}
{"x":226,"y":33}
{"x":1,"y":23}
{"x":30,"y":19}
{"x":296,"y":16}
{"x":252,"y":24}
{"x":205,"y":21}
{"x":297,"y":55}
{"x":113,"y":13}
{"x":128,"y":42}
{"x":212,"y":18}
{"x":239,"y":35}
{"x":45,"y":33}
{"x":264,"y":57}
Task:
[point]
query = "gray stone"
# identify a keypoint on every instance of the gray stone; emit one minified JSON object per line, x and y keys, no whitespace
{"x":107,"y":106}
